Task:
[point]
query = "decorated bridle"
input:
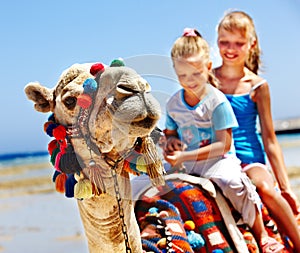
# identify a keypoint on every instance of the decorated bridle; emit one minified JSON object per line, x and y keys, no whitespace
{"x":68,"y":175}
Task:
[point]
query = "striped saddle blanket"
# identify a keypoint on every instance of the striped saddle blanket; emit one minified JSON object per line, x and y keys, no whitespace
{"x":188,"y":214}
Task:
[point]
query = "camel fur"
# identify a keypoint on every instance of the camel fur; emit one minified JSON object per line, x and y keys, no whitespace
{"x":122,"y":112}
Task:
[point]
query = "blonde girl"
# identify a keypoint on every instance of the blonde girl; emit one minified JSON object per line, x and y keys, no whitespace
{"x":199,"y":120}
{"x":249,"y":96}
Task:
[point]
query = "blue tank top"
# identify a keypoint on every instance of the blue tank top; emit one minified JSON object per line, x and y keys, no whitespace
{"x":247,"y":140}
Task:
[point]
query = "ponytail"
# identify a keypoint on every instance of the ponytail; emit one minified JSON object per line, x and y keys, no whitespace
{"x":253,"y":61}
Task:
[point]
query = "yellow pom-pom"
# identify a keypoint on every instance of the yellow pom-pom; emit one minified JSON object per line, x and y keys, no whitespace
{"x":189,"y":225}
{"x":84,"y":188}
{"x":141,"y":164}
{"x":162,"y":243}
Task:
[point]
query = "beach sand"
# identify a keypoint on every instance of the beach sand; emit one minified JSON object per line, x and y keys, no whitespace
{"x":34,"y":217}
{"x":37,"y":219}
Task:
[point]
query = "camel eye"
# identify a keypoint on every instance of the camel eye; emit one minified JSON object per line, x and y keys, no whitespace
{"x":70,"y":102}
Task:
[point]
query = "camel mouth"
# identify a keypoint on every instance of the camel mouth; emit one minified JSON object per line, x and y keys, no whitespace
{"x":137,"y":128}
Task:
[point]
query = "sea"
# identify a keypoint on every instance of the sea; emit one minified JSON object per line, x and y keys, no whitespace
{"x":34,"y":165}
{"x":290,"y":145}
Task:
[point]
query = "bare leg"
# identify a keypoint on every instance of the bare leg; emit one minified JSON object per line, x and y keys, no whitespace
{"x":278,"y":207}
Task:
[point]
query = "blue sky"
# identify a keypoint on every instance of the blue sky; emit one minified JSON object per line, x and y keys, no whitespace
{"x":39,"y":39}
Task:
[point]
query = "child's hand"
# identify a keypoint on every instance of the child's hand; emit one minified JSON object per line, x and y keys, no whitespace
{"x":173,"y":158}
{"x":174,"y":144}
{"x":291,"y":198}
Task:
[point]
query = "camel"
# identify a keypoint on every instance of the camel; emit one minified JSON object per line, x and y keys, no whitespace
{"x":105,"y":123}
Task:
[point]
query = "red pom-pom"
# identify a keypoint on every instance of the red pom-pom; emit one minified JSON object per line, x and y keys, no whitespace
{"x":59,"y":132}
{"x":51,"y":146}
{"x":84,"y":101}
{"x":96,"y":68}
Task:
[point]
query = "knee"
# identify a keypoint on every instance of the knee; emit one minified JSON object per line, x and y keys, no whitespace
{"x":265,"y":189}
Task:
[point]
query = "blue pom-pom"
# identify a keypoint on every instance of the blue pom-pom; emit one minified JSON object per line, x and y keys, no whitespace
{"x":153,"y":210}
{"x":70,"y":183}
{"x":50,"y":128}
{"x":217,"y":251}
{"x":90,"y":85}
{"x":56,"y":173}
{"x":195,"y":240}
{"x":51,"y":117}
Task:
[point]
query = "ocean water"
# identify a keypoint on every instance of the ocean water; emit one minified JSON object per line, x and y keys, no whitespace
{"x":290,"y":145}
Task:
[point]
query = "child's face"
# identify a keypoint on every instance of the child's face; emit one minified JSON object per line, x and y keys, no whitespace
{"x":192,"y":73}
{"x":233,"y":46}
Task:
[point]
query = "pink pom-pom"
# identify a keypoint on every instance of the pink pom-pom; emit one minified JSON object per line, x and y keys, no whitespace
{"x":84,"y":101}
{"x":57,"y":160}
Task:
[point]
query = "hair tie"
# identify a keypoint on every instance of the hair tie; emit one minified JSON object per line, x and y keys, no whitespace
{"x":189,"y":32}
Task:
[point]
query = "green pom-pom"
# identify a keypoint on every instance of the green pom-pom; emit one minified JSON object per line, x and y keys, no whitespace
{"x":117,"y":63}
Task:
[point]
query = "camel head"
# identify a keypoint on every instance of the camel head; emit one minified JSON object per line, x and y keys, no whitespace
{"x":116,"y":104}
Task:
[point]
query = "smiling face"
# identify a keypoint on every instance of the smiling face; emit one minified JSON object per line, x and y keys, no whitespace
{"x":192,"y":73}
{"x":233,"y":46}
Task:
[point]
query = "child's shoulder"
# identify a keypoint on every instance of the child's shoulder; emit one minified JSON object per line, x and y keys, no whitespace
{"x":175,"y":97}
{"x":215,"y":96}
{"x":254,"y":79}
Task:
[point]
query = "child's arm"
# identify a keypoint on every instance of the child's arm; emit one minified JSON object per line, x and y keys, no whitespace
{"x":272,"y":147}
{"x":215,"y":149}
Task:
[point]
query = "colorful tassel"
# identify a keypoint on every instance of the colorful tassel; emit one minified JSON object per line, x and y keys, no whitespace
{"x":68,"y":162}
{"x":141,"y":165}
{"x":53,"y":155}
{"x":96,"y":178}
{"x":155,"y":168}
{"x":70,"y":183}
{"x":57,"y":160}
{"x":60,"y":182}
{"x":55,"y":174}
{"x":83,"y":189}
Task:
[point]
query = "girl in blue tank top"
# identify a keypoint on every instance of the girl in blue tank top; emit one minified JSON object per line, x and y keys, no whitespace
{"x":199,"y":122}
{"x":249,"y":96}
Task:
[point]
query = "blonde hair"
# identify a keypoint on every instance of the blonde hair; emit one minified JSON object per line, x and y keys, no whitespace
{"x":241,"y":21}
{"x":192,"y":43}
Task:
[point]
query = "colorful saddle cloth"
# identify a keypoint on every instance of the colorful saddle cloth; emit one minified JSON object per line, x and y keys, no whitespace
{"x":197,"y":204}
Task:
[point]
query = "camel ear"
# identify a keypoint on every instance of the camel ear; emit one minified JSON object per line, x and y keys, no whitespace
{"x":41,"y":96}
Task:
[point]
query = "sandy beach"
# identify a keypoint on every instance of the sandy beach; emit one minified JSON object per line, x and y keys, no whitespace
{"x":34,"y":217}
{"x":37,"y":219}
